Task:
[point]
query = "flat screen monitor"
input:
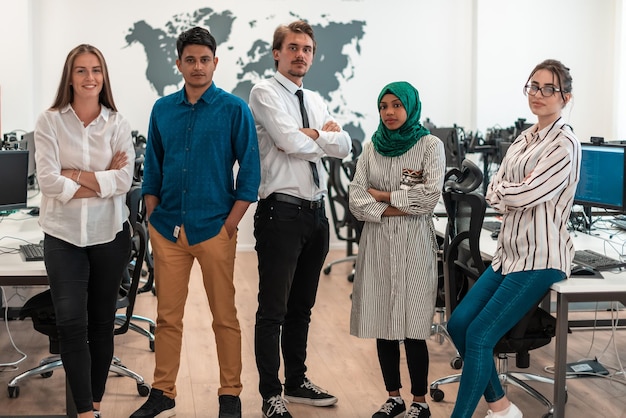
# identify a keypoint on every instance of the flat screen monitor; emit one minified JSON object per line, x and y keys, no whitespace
{"x":14,"y":179}
{"x":28,"y":139}
{"x":455,"y":149}
{"x":602,"y":177}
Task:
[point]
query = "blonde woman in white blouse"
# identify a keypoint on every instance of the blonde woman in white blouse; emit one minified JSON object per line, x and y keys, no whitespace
{"x":83,"y":153}
{"x":534,"y":191}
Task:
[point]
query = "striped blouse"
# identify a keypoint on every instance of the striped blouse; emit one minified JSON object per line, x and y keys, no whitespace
{"x":534,"y":191}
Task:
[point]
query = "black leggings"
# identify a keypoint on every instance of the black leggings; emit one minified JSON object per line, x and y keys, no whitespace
{"x":84,"y":283}
{"x":416,"y":358}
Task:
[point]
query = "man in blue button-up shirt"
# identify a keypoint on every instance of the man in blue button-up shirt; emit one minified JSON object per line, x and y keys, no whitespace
{"x":194,"y":204}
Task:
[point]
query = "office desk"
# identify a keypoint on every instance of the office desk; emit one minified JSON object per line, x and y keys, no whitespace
{"x":17,"y":229}
{"x":611,"y":288}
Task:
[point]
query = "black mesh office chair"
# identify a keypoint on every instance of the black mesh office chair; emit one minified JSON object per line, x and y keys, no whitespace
{"x":463,"y":264}
{"x":465,"y":180}
{"x":347,"y":227}
{"x":41,"y":310}
{"x":134,"y":201}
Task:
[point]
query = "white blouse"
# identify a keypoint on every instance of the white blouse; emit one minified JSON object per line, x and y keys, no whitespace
{"x":62,"y":142}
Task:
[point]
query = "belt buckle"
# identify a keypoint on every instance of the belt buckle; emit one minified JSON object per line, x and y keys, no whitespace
{"x":316,"y":204}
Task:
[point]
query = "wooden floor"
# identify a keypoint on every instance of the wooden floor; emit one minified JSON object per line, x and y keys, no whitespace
{"x":344,"y":365}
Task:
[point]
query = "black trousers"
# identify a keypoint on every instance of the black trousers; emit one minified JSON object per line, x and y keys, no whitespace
{"x":84,"y":283}
{"x":417,"y":361}
{"x":291,"y":245}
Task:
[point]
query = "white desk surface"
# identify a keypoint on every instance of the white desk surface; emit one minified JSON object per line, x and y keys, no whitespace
{"x":16,"y":229}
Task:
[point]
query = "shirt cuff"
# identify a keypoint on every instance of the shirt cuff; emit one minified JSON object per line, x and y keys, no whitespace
{"x":70,"y":187}
{"x":106,"y":181}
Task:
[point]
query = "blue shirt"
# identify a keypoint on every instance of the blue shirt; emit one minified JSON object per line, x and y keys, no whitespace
{"x":190,"y":155}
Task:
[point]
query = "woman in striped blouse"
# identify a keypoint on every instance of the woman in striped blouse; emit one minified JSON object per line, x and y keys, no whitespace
{"x":396,"y":186}
{"x":534,"y":191}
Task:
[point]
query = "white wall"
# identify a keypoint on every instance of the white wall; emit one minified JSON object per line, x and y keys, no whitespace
{"x":469,"y":59}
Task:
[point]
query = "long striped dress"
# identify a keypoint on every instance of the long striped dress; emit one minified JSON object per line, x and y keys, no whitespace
{"x":395,"y":280}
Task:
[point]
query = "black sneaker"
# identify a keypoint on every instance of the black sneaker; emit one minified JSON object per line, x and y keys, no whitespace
{"x":230,"y":406}
{"x":417,"y":411}
{"x":391,"y":409}
{"x":157,"y":406}
{"x":275,"y":407}
{"x":309,"y":394}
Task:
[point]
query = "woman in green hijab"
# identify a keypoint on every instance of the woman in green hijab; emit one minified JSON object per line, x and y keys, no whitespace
{"x":396,"y":186}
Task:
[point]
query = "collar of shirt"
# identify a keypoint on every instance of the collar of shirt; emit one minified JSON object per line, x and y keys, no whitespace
{"x":105,"y":112}
{"x":543,"y":134}
{"x":206,"y":96}
{"x":289,"y":85}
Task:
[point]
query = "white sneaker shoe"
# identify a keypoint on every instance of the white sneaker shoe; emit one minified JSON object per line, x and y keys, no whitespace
{"x":513,"y":412}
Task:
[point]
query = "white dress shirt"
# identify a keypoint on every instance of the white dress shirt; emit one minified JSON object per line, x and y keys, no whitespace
{"x":286,"y":151}
{"x":62,"y":142}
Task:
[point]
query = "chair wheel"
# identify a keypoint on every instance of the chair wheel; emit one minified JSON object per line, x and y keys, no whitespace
{"x":46,"y":375}
{"x":143,"y":389}
{"x":351,"y":277}
{"x":437,"y":395}
{"x":151,"y":344}
{"x":327,"y":270}
{"x":14,"y":391}
{"x":456,"y":363}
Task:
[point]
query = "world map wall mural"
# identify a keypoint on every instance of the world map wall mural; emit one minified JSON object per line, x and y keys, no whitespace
{"x":333,"y":67}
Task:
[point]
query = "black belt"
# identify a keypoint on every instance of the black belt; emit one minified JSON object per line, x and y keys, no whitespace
{"x":311,"y":204}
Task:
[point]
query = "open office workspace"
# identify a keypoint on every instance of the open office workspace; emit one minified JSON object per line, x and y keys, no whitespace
{"x":469,"y":60}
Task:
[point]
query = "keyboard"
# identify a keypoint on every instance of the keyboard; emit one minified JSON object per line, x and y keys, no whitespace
{"x":596,"y":260}
{"x":32,"y":252}
{"x":492,"y":226}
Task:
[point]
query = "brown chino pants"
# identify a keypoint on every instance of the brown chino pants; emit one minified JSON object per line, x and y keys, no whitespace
{"x":172,"y":267}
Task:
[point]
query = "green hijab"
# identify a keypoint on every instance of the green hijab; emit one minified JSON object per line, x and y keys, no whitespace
{"x":393,"y":143}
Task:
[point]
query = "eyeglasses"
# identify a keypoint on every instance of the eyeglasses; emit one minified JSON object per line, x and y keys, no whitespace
{"x":546,"y":91}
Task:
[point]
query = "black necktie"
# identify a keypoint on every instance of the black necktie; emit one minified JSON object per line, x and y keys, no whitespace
{"x":305,"y":124}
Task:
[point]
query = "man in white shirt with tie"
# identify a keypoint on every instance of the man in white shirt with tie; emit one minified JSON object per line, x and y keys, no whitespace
{"x":295,"y":130}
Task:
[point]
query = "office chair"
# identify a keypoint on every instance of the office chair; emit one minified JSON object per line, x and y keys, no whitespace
{"x":347,"y":227}
{"x":465,"y":179}
{"x":134,"y":201}
{"x":41,"y":309}
{"x":463,"y":265}
{"x":140,"y":143}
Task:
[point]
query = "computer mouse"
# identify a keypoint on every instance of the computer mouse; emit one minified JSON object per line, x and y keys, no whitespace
{"x":495,"y":234}
{"x":585,"y":271}
{"x":34,"y":212}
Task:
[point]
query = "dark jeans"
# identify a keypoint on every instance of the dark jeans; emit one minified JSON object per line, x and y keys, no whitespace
{"x":84,"y":283}
{"x":416,"y":359}
{"x":494,"y":304}
{"x":291,"y":245}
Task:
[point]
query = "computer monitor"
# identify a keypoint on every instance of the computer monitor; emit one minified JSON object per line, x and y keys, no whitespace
{"x":455,"y":148}
{"x":28,"y":141}
{"x":503,"y":147}
{"x":602,"y":181}
{"x":13,"y":179}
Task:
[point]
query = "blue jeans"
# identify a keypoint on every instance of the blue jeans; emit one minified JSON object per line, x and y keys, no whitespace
{"x":493,"y":305}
